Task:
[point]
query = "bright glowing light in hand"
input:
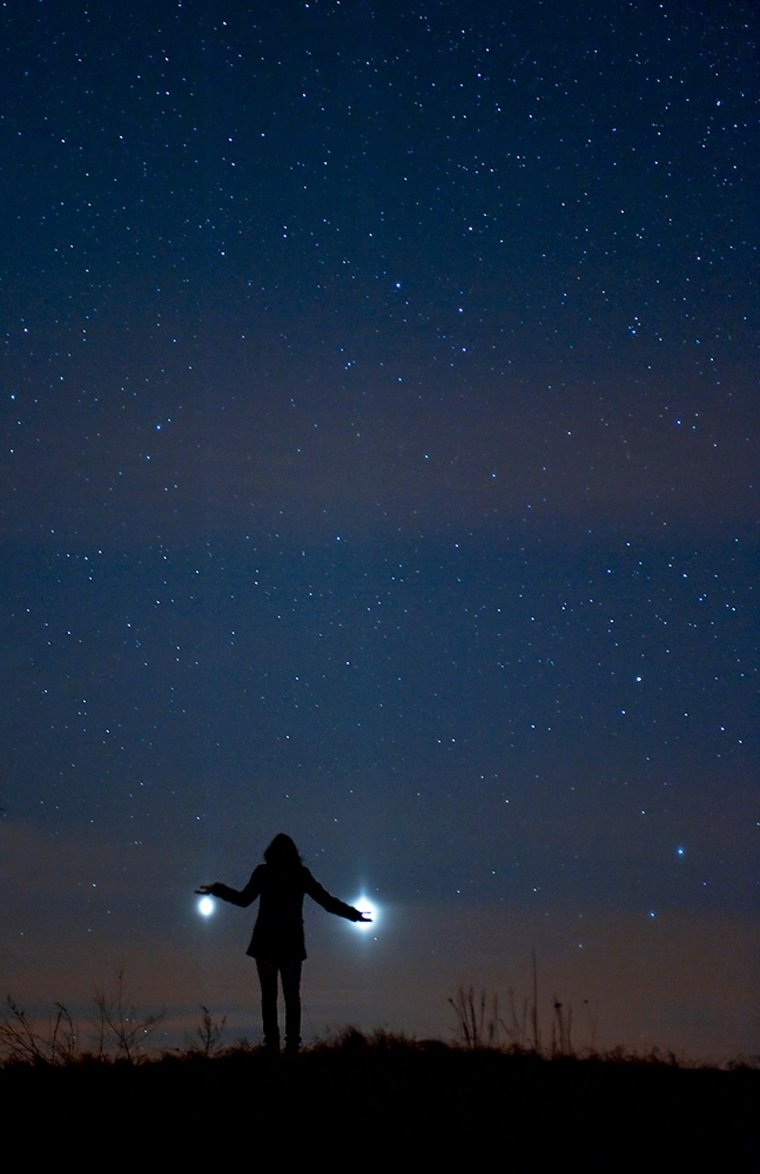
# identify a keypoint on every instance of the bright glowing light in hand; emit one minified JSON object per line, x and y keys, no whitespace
{"x":205,"y":906}
{"x":364,"y":905}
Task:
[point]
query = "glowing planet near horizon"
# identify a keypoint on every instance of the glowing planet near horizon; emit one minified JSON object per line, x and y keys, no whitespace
{"x":368,"y":907}
{"x":206,"y":906}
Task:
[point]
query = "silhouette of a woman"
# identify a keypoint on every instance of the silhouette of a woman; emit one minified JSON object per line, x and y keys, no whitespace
{"x":277,"y":943}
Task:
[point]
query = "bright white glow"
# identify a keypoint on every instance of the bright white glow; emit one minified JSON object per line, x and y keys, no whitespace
{"x":364,"y":905}
{"x":205,"y":906}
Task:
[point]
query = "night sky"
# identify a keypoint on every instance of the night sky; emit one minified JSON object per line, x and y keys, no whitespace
{"x":379,"y":406}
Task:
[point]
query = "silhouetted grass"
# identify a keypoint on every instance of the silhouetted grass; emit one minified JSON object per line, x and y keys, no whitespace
{"x":390,"y":1094}
{"x":482,"y":1021}
{"x":362,"y":1095}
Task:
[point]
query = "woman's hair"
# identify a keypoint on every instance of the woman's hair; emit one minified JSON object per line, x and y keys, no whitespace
{"x":282,"y":853}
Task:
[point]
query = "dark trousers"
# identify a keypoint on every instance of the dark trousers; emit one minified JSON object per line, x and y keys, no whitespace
{"x":290,"y":976}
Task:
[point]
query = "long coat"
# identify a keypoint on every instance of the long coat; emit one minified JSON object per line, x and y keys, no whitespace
{"x":278,"y":933}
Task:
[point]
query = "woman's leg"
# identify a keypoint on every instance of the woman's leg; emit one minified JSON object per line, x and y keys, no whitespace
{"x":291,"y":989}
{"x":268,"y":980}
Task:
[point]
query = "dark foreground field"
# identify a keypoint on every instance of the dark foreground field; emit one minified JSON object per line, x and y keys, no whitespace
{"x":358,"y":1101}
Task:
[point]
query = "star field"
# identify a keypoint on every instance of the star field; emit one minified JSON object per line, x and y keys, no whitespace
{"x":379,"y":445}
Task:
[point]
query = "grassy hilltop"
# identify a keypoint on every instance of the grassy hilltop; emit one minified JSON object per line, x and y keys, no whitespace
{"x":360,"y":1097}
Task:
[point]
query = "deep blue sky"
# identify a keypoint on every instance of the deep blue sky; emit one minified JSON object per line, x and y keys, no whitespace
{"x":380,"y":406}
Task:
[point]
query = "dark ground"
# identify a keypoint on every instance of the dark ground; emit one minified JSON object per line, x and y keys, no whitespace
{"x":360,"y":1102}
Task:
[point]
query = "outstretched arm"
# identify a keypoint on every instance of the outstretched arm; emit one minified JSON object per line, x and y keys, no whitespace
{"x":242,"y":897}
{"x":330,"y":903}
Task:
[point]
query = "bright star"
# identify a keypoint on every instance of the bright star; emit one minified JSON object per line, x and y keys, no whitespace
{"x":366,"y":906}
